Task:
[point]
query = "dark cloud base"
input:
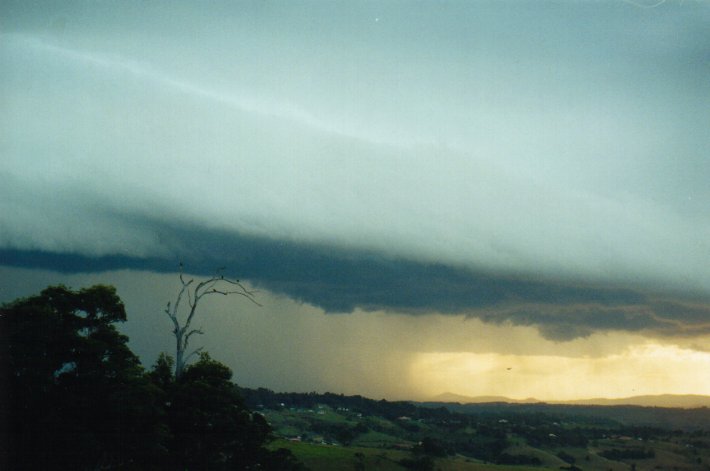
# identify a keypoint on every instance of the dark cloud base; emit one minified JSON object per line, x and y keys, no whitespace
{"x":339,"y":281}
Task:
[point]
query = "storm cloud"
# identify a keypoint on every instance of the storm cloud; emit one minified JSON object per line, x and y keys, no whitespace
{"x":541,"y":164}
{"x":342,"y":281}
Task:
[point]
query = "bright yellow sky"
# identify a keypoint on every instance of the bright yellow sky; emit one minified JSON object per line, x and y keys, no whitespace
{"x":640,"y":370}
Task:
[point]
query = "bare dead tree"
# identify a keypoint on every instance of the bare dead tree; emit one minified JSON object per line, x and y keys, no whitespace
{"x":183,"y":331}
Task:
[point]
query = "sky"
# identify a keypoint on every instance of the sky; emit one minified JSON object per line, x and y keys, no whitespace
{"x":482,"y":198}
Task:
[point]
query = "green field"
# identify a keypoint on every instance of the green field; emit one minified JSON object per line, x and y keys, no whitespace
{"x":336,"y":458}
{"x":331,"y":457}
{"x":377,"y":435}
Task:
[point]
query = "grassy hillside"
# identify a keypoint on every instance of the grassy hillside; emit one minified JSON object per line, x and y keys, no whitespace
{"x":331,"y":432}
{"x":334,"y":458}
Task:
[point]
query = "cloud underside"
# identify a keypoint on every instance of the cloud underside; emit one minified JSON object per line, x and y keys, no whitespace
{"x":342,"y":281}
{"x":540,"y":166}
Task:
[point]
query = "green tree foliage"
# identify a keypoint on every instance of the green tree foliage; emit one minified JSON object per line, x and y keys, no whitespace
{"x":211,"y":427}
{"x":617,"y":454}
{"x":566,"y":457}
{"x":77,"y":397}
{"x":418,"y":463}
{"x":431,"y":447}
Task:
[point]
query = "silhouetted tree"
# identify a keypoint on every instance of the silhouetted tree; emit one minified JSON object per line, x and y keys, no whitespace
{"x":77,"y":397}
{"x":162,"y":373}
{"x":74,"y":396}
{"x":210,"y":425}
{"x":182,"y":325}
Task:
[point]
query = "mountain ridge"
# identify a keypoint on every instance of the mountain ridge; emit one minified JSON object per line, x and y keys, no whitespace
{"x":684,"y":401}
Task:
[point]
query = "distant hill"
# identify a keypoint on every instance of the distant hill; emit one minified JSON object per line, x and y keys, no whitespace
{"x":687,"y":401}
{"x":451,"y":397}
{"x":668,"y":418}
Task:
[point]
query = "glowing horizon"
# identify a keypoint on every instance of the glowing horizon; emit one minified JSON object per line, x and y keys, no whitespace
{"x":642,"y":370}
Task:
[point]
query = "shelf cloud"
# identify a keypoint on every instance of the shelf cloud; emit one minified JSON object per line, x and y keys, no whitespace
{"x":540,"y":165}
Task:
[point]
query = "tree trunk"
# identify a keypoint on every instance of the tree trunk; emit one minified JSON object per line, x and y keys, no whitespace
{"x":217,"y":284}
{"x":179,"y":355}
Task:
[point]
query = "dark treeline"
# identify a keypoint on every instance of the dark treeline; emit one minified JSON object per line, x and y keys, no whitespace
{"x":638,"y":420}
{"x":76,"y":397}
{"x":437,"y":412}
{"x":632,"y":416}
{"x":265,"y":398}
{"x":484,"y":435}
{"x":480,"y":431}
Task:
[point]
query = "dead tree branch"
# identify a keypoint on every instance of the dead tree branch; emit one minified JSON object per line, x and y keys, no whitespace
{"x":217,"y":284}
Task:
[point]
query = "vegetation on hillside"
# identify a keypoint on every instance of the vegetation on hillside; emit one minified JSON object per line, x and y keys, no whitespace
{"x":406,"y":435}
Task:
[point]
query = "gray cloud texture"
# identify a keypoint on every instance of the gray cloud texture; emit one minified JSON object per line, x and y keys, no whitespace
{"x":340,"y":281}
{"x":493,"y":152}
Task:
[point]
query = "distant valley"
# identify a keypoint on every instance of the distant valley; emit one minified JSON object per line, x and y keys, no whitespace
{"x":331,"y":432}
